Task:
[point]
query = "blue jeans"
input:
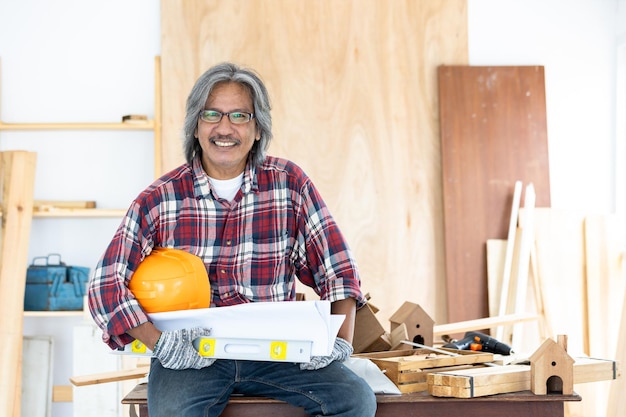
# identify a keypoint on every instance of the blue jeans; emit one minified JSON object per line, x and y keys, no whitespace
{"x":331,"y":391}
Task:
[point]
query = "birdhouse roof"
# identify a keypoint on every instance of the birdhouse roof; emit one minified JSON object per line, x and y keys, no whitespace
{"x":408,"y":309}
{"x":548,"y":350}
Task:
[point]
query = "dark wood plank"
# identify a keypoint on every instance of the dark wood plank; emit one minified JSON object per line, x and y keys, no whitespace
{"x":419,"y":404}
{"x":493,"y":133}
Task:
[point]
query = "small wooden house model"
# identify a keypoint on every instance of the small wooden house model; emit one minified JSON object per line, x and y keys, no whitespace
{"x":369,"y":334}
{"x":552,"y":369}
{"x":419,"y":325}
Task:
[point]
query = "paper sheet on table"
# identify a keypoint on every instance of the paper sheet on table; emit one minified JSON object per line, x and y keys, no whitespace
{"x":294,"y":321}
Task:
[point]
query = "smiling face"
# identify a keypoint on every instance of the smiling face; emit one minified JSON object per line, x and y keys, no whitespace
{"x":225,"y":146}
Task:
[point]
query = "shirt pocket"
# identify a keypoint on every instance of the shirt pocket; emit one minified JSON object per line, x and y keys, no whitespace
{"x":268,"y":246}
{"x":267,"y":260}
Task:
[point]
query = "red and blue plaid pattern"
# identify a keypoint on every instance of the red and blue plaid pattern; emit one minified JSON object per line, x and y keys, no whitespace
{"x":275,"y":230}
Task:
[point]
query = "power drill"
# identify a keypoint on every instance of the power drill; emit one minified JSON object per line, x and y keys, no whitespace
{"x":478,"y":341}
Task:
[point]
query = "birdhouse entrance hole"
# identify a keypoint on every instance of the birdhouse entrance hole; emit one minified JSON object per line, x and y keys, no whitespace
{"x":419,"y":339}
{"x":554,"y":385}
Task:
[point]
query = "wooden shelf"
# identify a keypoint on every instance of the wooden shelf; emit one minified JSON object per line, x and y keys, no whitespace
{"x":153,"y":125}
{"x":148,"y":125}
{"x":78,"y":213}
{"x":13,"y":256}
{"x":73,"y":213}
{"x":76,"y":313}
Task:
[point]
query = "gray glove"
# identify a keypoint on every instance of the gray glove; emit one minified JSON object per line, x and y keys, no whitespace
{"x":175,"y":349}
{"x":341,"y":351}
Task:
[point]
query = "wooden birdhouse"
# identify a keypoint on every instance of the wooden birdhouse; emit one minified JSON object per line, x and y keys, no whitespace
{"x":419,"y":325}
{"x":369,"y":334}
{"x":552,"y":369}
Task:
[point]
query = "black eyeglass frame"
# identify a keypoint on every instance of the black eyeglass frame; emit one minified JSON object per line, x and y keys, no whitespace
{"x":229,"y":114}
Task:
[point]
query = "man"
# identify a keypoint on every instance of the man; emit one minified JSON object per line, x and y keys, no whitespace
{"x":258,"y":223}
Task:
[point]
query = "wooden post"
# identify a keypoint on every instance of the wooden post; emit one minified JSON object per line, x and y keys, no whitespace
{"x":508,"y":259}
{"x":527,"y":239}
{"x":617,"y":400}
{"x":17,"y":175}
{"x":158,"y":144}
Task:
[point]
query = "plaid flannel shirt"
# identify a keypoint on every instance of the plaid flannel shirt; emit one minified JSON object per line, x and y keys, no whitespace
{"x":276,"y":229}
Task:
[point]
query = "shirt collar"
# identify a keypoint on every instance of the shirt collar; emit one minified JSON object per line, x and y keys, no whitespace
{"x":202,"y":186}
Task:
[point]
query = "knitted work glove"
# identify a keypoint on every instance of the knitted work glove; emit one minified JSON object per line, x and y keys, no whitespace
{"x":175,"y":349}
{"x":341,"y":351}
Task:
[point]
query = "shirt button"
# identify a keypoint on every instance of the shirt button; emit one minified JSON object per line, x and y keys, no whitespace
{"x":228,"y":242}
{"x":223,"y":271}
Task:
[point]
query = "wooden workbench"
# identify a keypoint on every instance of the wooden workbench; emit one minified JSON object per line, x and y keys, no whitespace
{"x":420,"y":404}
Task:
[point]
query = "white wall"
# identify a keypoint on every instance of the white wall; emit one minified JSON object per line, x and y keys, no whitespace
{"x":78,"y":61}
{"x":575,"y":40}
{"x":620,"y":111}
{"x":82,"y":60}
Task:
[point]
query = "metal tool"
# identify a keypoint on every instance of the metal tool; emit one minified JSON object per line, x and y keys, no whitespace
{"x":444,"y":352}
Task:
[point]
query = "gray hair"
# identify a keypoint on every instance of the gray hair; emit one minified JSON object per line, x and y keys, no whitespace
{"x":229,"y":72}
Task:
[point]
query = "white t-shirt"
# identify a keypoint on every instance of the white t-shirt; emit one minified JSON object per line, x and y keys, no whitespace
{"x":227,"y":189}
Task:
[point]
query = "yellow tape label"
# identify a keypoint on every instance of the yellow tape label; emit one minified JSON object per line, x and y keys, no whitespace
{"x":206,"y":347}
{"x":278,"y":351}
{"x":138,"y":347}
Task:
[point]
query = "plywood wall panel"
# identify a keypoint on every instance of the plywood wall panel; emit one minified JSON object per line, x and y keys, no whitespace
{"x":354,"y":92}
{"x":493,"y":133}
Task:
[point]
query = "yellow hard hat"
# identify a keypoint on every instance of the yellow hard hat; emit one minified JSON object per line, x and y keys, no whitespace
{"x":171,"y":279}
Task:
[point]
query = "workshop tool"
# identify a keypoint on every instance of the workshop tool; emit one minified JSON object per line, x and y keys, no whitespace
{"x":264,"y":350}
{"x":52,"y":285}
{"x":239,"y":348}
{"x":478,"y":341}
{"x":256,"y":331}
{"x":419,"y":345}
{"x":445,"y":352}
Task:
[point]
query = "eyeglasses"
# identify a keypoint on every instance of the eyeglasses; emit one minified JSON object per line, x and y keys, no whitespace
{"x":235,"y":117}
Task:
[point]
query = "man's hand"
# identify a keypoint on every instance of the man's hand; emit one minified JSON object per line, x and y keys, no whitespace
{"x":341,"y":351}
{"x":175,"y":349}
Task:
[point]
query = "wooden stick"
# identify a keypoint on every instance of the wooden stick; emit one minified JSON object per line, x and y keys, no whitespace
{"x":605,"y":281}
{"x":617,"y":399}
{"x":527,"y":240}
{"x":508,"y":257}
{"x":113,"y":376}
{"x":496,"y":252}
{"x":17,"y":171}
{"x":419,"y":345}
{"x":545,"y":328}
{"x":484,"y":323}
